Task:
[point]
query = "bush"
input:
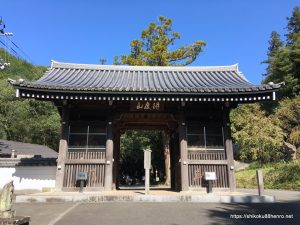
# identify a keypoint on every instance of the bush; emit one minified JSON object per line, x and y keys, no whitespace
{"x":281,"y":175}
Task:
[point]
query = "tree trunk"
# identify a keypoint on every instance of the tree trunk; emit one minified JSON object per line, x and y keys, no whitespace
{"x":166,"y":141}
{"x":293,"y":150}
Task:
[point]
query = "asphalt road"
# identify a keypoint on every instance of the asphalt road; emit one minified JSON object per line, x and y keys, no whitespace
{"x":130,"y":213}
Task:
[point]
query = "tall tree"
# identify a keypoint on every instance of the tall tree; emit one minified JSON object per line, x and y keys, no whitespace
{"x":293,"y":43}
{"x":154,"y":47}
{"x":275,"y":44}
{"x":293,"y":26}
{"x":284,"y":59}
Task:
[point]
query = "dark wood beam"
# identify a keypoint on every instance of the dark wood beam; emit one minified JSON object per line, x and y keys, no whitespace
{"x":229,"y":148}
{"x":63,"y":148}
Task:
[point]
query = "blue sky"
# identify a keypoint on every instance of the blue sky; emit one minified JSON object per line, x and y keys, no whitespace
{"x":236,"y":31}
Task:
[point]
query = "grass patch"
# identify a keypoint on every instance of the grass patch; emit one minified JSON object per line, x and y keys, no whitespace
{"x":281,"y":175}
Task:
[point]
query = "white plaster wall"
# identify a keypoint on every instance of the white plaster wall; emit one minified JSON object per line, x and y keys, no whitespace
{"x":29,"y":177}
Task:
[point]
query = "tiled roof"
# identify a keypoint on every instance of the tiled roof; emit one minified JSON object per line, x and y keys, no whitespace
{"x":26,"y":149}
{"x":12,"y":162}
{"x":140,"y":79}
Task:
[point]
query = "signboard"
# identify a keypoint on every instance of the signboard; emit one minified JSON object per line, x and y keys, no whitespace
{"x":210,"y":176}
{"x":146,"y":106}
{"x":82,"y":176}
{"x":147,"y":159}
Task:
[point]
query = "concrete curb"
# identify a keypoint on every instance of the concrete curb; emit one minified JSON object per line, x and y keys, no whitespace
{"x":147,"y":198}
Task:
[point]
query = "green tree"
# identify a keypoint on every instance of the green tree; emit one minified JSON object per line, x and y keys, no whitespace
{"x":132,"y":157}
{"x":154,"y":47}
{"x":288,"y":113}
{"x":284,"y":59}
{"x":20,"y":68}
{"x":23,"y":119}
{"x":258,"y":136}
{"x":293,"y":26}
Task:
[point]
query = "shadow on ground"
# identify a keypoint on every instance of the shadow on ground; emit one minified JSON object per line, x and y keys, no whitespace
{"x":252,"y":213}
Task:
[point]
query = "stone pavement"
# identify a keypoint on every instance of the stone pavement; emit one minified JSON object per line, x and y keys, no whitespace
{"x":179,"y":213}
{"x":139,"y":196}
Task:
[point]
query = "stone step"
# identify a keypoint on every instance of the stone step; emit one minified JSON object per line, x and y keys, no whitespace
{"x":146,"y":198}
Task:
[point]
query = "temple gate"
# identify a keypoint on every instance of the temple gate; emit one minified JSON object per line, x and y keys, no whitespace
{"x":98,"y":103}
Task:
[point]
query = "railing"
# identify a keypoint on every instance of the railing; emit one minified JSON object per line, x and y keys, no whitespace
{"x":203,"y":155}
{"x":86,"y":155}
{"x":95,"y":174}
{"x":91,"y":162}
{"x":196,"y":175}
{"x":201,"y":161}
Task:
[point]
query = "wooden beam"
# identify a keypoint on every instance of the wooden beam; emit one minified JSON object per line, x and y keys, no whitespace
{"x":109,"y":157}
{"x":183,"y":154}
{"x":63,"y":148}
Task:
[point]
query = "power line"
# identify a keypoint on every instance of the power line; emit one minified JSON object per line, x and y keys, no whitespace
{"x":10,"y":48}
{"x":16,"y":54}
{"x":26,"y":55}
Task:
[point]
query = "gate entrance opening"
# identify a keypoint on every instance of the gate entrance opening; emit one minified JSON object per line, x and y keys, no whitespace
{"x":131,"y":173}
{"x":135,"y":132}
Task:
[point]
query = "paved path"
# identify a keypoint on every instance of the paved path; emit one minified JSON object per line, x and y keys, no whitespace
{"x":280,"y":195}
{"x":162,"y":213}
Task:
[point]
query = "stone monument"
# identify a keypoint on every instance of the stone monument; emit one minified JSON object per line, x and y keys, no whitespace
{"x":7,"y":215}
{"x":6,"y":201}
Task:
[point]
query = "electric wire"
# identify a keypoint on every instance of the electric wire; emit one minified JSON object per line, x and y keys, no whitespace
{"x":15,"y":53}
{"x":11,"y":47}
{"x":18,"y":47}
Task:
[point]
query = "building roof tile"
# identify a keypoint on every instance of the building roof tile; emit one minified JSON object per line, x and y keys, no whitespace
{"x":144,"y":79}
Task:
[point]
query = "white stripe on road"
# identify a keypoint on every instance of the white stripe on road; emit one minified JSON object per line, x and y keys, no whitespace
{"x":63,"y":214}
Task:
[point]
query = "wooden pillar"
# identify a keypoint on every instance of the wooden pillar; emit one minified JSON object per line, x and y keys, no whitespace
{"x":172,"y":161}
{"x":183,"y":154}
{"x":63,"y":149}
{"x":177,"y":163}
{"x":229,"y":148}
{"x":116,"y":160}
{"x":109,"y":157}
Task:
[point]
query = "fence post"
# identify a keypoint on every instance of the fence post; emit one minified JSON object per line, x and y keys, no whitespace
{"x":260,"y":182}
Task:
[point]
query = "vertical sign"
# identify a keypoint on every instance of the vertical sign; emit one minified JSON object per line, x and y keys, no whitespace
{"x":147,"y":166}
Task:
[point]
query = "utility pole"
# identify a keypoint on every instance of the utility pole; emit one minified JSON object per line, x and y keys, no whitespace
{"x":3,"y":64}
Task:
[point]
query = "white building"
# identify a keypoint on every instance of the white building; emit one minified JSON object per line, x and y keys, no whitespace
{"x":30,"y":166}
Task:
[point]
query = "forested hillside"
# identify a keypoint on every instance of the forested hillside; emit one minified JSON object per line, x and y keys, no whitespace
{"x":21,"y":119}
{"x":271,"y":132}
